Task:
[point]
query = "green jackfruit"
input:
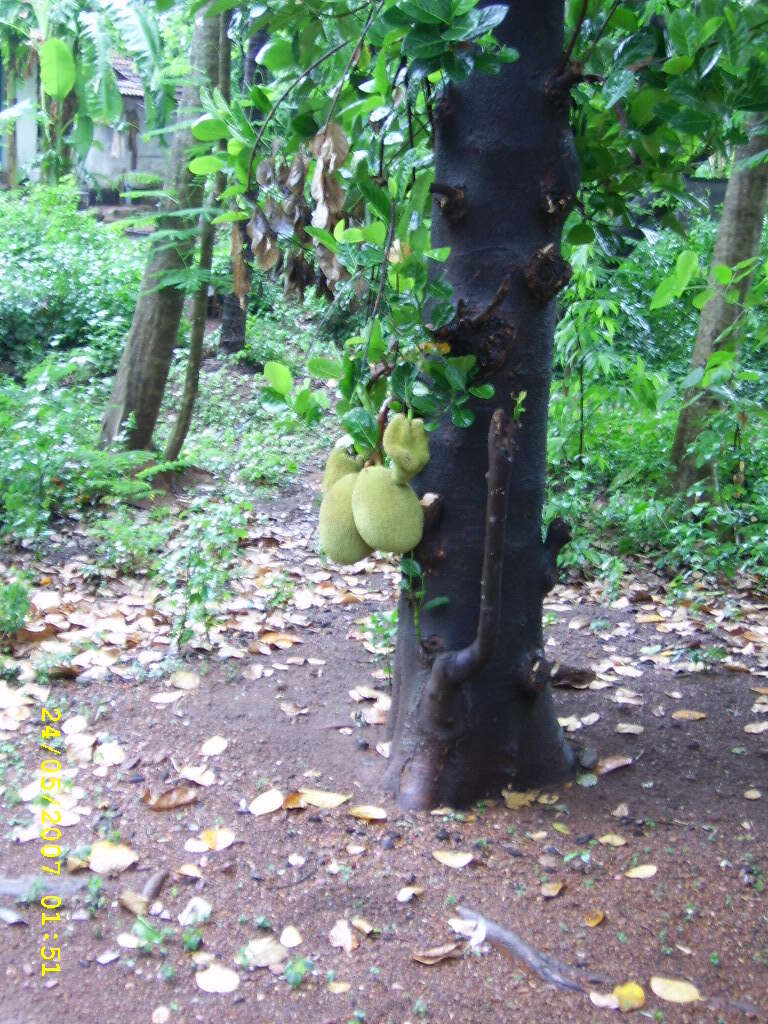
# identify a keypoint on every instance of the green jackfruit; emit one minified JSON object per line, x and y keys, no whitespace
{"x":387,"y":514}
{"x":338,"y":465}
{"x":407,"y":445}
{"x":338,"y":534}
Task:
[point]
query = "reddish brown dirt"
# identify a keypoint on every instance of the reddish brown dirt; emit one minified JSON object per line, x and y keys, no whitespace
{"x":702,"y":917}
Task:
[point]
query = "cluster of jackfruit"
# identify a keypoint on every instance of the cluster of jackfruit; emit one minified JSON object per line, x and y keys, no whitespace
{"x":374,"y":509}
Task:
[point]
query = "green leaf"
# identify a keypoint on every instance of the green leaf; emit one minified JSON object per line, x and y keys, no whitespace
{"x":436,"y":602}
{"x":279,"y":377}
{"x":57,"y":68}
{"x":362,"y":427}
{"x":617,"y":86}
{"x":205,"y":164}
{"x":482,"y":391}
{"x":325,"y":369}
{"x":209,"y":129}
{"x":581,"y":234}
{"x":677,"y":65}
{"x":462,"y":416}
{"x":722,"y":274}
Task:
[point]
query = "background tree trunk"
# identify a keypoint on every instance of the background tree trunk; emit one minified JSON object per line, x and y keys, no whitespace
{"x":138,"y":388}
{"x":504,"y":158}
{"x":738,"y":238}
{"x":180,"y":429}
{"x":233,"y":315}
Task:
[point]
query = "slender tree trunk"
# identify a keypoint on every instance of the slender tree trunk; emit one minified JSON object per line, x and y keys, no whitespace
{"x":200,"y":303}
{"x":138,"y":388}
{"x":233,"y":313}
{"x":472,"y":705}
{"x":738,"y":238}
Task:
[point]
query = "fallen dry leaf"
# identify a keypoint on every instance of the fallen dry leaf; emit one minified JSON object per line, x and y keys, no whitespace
{"x":594,"y":918}
{"x":170,"y":799}
{"x":551,"y":889}
{"x":612,"y":763}
{"x":263,"y":952}
{"x":338,"y":987}
{"x":133,"y":902}
{"x":167,"y":696}
{"x":514,"y":801}
{"x":108,"y":858}
{"x":641,"y":871}
{"x":214,"y":746}
{"x":630,"y":728}
{"x":290,"y":937}
{"x":342,"y":936}
{"x":195,"y":912}
{"x":266,"y":803}
{"x":217,"y":979}
{"x":322,"y":798}
{"x":752,"y":794}
{"x":185,"y":680}
{"x":408,"y":892}
{"x":453,"y":858}
{"x":674,"y":991}
{"x":686,"y":715}
{"x":612,"y":839}
{"x":630,"y":996}
{"x":198,"y":774}
{"x":436,"y":954}
{"x":367,"y":812}
{"x":755,"y":728}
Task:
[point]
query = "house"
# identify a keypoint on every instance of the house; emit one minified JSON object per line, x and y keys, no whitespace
{"x":117,"y":150}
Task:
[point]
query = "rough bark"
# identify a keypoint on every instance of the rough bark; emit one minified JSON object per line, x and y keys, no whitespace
{"x":738,"y":238}
{"x":200,"y":301}
{"x":233,"y":314}
{"x":503,"y":151}
{"x":139,"y":385}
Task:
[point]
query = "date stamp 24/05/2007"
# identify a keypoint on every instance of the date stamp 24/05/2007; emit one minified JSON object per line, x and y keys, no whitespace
{"x":50,"y":836}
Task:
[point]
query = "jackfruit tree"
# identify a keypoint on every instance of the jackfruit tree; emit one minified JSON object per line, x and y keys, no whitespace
{"x":418,"y":158}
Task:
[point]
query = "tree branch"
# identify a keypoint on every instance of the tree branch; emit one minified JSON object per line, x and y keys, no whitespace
{"x":576,"y":32}
{"x":276,"y":105}
{"x":547,"y":968}
{"x":452,"y":668}
{"x":352,"y":58}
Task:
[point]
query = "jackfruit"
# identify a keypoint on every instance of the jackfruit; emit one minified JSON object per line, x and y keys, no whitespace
{"x":387,"y":514}
{"x":338,"y":465}
{"x":406,"y":443}
{"x":338,"y":534}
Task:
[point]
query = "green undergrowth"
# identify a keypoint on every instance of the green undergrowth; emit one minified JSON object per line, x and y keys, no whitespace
{"x":617,"y":498}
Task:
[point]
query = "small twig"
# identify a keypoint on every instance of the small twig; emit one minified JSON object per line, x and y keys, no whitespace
{"x":382,"y":277}
{"x":276,"y":105}
{"x":352,"y":58}
{"x":602,"y":29}
{"x":513,"y":946}
{"x":576,"y":32}
{"x":385,"y":260}
{"x":493,"y":305}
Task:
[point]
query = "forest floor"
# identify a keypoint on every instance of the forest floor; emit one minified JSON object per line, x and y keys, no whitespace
{"x":329,"y":906}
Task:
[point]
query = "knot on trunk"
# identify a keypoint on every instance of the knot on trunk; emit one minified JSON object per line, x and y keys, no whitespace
{"x":452,"y":200}
{"x":484,"y":334}
{"x":547,"y":274}
{"x":556,"y":198}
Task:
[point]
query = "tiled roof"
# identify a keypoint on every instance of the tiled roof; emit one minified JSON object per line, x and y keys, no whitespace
{"x":128,"y":82}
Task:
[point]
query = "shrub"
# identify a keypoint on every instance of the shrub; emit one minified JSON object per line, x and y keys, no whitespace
{"x":67,"y":280}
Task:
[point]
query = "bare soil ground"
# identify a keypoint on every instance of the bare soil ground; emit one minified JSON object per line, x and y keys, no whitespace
{"x":693,"y":804}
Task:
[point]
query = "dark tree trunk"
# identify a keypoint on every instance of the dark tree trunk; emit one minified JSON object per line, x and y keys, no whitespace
{"x":233,"y":315}
{"x":738,"y":238}
{"x":472,"y":705}
{"x":139,"y":385}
